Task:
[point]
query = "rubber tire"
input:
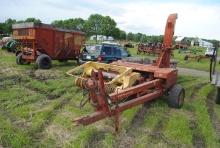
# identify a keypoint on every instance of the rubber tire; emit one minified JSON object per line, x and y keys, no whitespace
{"x":176,"y":96}
{"x":13,"y":46}
{"x":217,"y":100}
{"x":43,"y":61}
{"x":19,"y":59}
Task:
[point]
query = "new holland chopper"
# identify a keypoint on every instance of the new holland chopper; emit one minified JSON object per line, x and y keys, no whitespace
{"x":116,"y":87}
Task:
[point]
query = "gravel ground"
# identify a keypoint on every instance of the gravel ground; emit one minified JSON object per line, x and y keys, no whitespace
{"x":193,"y":72}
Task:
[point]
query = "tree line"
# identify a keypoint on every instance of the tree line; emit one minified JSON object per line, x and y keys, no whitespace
{"x":6,"y":27}
{"x":96,"y":24}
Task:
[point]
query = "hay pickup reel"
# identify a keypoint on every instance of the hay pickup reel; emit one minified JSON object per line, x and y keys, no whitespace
{"x":113,"y":88}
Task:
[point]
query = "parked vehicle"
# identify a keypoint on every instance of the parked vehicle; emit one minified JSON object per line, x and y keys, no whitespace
{"x":42,"y":43}
{"x":105,"y":52}
{"x":209,"y":51}
{"x":5,"y":42}
{"x":11,"y":46}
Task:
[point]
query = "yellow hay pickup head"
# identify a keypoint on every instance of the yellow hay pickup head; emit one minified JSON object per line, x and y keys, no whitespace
{"x":115,"y":77}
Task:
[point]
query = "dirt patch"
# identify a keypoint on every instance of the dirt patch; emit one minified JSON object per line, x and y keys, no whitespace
{"x":127,"y":139}
{"x":57,"y":132}
{"x":38,"y":133}
{"x":95,"y":139}
{"x":5,"y":70}
{"x":10,"y":76}
{"x":210,"y":102}
{"x":48,"y":94}
{"x":196,"y":88}
{"x":193,"y":72}
{"x":43,"y":75}
{"x":197,"y":139}
{"x":138,"y":119}
{"x":9,"y":81}
{"x":51,"y":96}
{"x":157,"y":135}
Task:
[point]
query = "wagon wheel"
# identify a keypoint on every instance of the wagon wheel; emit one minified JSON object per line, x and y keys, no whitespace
{"x":43,"y":61}
{"x":20,"y":60}
{"x":176,"y":96}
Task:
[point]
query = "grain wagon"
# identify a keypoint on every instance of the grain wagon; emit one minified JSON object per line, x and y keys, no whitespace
{"x":42,"y":43}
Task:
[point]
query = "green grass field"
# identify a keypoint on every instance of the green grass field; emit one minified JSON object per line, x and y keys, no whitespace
{"x":37,"y":108}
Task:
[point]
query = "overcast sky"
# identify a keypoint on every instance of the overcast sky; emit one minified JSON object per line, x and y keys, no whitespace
{"x":196,"y":18}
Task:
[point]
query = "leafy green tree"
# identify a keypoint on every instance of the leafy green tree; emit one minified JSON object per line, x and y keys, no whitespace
{"x":130,"y":36}
{"x":108,"y":26}
{"x":116,"y":33}
{"x":122,"y":35}
{"x":2,"y":28}
{"x":58,"y":23}
{"x":79,"y":24}
{"x":94,"y":25}
{"x":74,"y":24}
{"x":31,"y":19}
{"x":137,"y":37}
{"x":7,"y":28}
{"x":20,"y":21}
{"x":144,"y":38}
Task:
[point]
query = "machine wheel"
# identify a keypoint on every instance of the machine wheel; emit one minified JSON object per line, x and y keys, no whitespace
{"x":176,"y":96}
{"x":19,"y":59}
{"x":43,"y":61}
{"x":218,"y":96}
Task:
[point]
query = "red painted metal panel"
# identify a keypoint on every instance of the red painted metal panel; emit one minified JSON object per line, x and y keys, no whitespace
{"x":55,"y":42}
{"x":44,"y":41}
